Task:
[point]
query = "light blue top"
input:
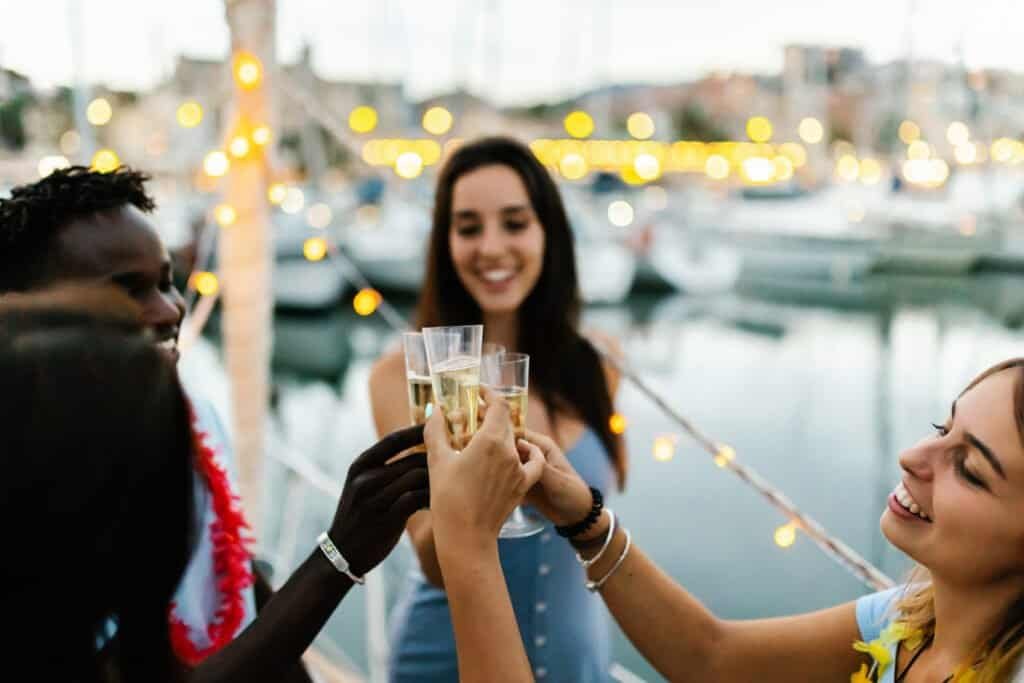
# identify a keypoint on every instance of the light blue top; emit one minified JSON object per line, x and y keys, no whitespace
{"x":873,"y":615}
{"x":565,"y":628}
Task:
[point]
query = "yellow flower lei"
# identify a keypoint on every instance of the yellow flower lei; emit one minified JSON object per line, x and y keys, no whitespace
{"x":879,"y":650}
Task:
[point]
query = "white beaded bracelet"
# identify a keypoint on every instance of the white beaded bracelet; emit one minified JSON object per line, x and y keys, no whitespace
{"x":594,"y":586}
{"x":607,"y":542}
{"x":333,"y":555}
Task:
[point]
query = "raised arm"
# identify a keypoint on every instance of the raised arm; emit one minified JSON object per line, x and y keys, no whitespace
{"x":681,"y":638}
{"x":375,"y":504}
{"x":472,"y":493}
{"x":389,"y":404}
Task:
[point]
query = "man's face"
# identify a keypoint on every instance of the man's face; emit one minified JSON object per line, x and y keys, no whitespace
{"x":121,"y":247}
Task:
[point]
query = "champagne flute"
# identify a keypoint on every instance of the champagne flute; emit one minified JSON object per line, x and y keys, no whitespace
{"x":509,"y":376}
{"x":417,"y":376}
{"x":453,"y":354}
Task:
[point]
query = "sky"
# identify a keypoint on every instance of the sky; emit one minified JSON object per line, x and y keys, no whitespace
{"x":511,"y":51}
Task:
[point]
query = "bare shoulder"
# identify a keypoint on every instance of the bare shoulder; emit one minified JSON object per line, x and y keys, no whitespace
{"x":609,"y":343}
{"x":387,"y":387}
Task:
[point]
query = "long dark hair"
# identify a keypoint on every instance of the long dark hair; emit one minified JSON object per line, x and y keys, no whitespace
{"x":97,"y":508}
{"x":564,"y":366}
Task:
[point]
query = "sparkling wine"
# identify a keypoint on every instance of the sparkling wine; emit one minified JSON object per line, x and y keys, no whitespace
{"x":457,"y":390}
{"x":421,"y":395}
{"x":516,"y":397}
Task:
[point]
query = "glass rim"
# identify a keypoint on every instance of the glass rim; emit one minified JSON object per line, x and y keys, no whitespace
{"x":435,"y":328}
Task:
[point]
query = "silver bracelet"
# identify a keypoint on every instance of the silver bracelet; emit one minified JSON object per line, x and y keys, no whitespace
{"x":333,"y":555}
{"x":607,"y":542}
{"x":593,"y":586}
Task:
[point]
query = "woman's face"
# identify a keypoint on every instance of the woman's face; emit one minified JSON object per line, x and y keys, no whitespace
{"x":966,"y":485}
{"x":496,"y":240}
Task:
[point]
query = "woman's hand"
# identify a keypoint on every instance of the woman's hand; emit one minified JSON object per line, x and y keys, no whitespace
{"x":473,"y":491}
{"x":561,"y":495}
{"x":378,"y":499}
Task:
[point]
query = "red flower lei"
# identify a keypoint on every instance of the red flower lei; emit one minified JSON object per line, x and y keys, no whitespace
{"x":231,"y":559}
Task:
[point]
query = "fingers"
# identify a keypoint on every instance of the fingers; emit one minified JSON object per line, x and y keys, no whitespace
{"x":366,"y":485}
{"x":546,"y":443}
{"x":411,"y":501}
{"x":413,"y":480}
{"x":386,"y":448}
{"x":497,"y":421}
{"x":533,"y":468}
{"x":435,"y":435}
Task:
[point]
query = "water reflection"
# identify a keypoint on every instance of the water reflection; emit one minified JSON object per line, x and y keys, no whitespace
{"x":817,"y":389}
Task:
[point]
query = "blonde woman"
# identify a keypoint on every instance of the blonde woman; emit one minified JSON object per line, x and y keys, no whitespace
{"x":958,"y":511}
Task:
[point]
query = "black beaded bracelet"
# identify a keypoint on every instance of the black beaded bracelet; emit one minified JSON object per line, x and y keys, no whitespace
{"x":588,"y":521}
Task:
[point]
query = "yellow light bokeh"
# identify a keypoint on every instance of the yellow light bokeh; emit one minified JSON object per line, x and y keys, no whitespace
{"x":105,"y":161}
{"x":99,"y":112}
{"x":293,"y":200}
{"x":783,"y":168}
{"x":409,"y":165}
{"x":1004,"y":149}
{"x":918,"y":149}
{"x":966,"y":154}
{"x":239,"y":146}
{"x":572,"y":166}
{"x":578,"y":124}
{"x":758,"y":170}
{"x":909,"y":132}
{"x":617,"y":423}
{"x":640,"y":125}
{"x":206,"y":283}
{"x":848,"y":168}
{"x":314,"y":249}
{"x":366,"y":301}
{"x":759,"y":129}
{"x":664,"y":447}
{"x":957,"y":133}
{"x":362,"y":119}
{"x":870,"y":171}
{"x":276,"y":193}
{"x":216,"y":164}
{"x":785,"y":535}
{"x":810,"y":130}
{"x":247,"y":69}
{"x":225,"y":215}
{"x":717,"y":167}
{"x":319,"y":215}
{"x":795,"y":152}
{"x":49,"y":164}
{"x":620,"y":213}
{"x":437,"y":120}
{"x":629,"y":175}
{"x":190,"y":114}
{"x":261,"y":135}
{"x":724,"y":456}
{"x":647,"y":167}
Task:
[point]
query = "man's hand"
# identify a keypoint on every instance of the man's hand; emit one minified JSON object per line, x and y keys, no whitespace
{"x":378,"y":499}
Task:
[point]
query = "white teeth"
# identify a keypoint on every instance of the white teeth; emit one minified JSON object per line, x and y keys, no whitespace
{"x":904,"y":499}
{"x":168,"y":344}
{"x":497,"y":275}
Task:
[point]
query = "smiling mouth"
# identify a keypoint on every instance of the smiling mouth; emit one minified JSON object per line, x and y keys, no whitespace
{"x":903,"y":498}
{"x":497,"y":276}
{"x":169,"y":346}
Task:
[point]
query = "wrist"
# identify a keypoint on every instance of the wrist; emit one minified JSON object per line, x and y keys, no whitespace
{"x":592,"y":538}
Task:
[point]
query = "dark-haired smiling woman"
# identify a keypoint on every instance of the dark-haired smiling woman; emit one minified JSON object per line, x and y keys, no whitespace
{"x":501,"y":254}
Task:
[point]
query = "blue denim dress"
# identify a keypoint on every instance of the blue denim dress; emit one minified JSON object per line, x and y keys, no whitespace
{"x":565,"y":628}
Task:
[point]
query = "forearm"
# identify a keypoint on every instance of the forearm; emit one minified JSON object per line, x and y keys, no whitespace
{"x":421,"y":534}
{"x":487,"y":637}
{"x":670,"y":628}
{"x":273,"y":644}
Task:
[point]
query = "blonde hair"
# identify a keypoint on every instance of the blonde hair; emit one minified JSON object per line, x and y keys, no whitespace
{"x":995,"y":655}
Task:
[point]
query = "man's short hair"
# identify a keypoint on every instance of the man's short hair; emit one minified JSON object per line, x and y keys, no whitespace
{"x":32,"y":216}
